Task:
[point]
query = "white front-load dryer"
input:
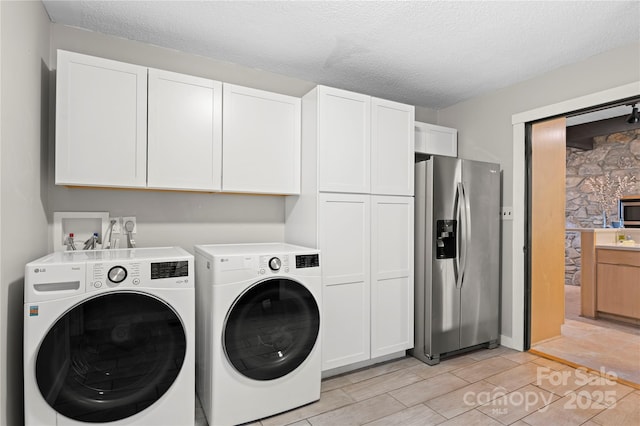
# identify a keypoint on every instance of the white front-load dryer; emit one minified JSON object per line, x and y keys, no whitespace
{"x":109,"y":338}
{"x":258,"y":325}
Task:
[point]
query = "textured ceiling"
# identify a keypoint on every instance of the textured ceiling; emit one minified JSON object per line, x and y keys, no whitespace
{"x":425,"y":53}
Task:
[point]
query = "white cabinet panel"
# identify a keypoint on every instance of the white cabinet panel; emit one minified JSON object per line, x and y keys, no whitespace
{"x":261,"y":141}
{"x":185,"y":132}
{"x":391,"y":274}
{"x":345,"y":336}
{"x":436,"y":140}
{"x":344,"y":141}
{"x":101,"y":122}
{"x":390,"y":328}
{"x":392,"y":147}
{"x":344,"y":229}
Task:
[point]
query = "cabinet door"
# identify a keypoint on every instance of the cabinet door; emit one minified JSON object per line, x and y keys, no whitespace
{"x":344,"y":241}
{"x":436,"y":140}
{"x":392,"y":147}
{"x":101,"y":122}
{"x":391,"y":274}
{"x":344,"y":141}
{"x":185,"y":132}
{"x":261,"y":141}
{"x":618,"y":290}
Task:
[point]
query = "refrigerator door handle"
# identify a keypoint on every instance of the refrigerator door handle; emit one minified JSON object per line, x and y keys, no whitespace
{"x":464,"y":233}
{"x":457,"y":272}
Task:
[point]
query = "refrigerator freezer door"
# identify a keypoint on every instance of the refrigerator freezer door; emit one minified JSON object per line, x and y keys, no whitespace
{"x":479,"y":300}
{"x":445,"y":174}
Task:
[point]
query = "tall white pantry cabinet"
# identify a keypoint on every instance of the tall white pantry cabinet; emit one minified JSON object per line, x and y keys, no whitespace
{"x":356,"y":206}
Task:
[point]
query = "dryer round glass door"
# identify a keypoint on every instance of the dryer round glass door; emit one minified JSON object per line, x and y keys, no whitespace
{"x":271,"y":329}
{"x":110,"y":357}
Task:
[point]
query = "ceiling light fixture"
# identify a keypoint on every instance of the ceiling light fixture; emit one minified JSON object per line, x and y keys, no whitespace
{"x":634,"y":117}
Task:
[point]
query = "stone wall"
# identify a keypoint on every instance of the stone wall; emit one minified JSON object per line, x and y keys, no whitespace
{"x":614,"y":155}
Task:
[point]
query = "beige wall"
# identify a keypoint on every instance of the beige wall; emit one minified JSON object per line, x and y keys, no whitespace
{"x":23,"y":220}
{"x":486,"y":132}
{"x":426,"y":115}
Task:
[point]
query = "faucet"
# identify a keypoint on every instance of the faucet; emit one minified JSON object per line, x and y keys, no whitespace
{"x":71,"y":245}
{"x":90,"y":244}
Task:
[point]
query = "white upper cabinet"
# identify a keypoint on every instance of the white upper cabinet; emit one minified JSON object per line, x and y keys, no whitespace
{"x":261,"y":141}
{"x":197,"y":135}
{"x":101,"y":122}
{"x":365,"y":145}
{"x":344,"y":142}
{"x":392,"y":147}
{"x":185,"y":132}
{"x":436,"y":140}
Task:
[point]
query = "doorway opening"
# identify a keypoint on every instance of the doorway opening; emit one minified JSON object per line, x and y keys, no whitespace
{"x":559,"y":324}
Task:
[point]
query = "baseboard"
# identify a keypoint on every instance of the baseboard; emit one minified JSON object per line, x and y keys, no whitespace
{"x":511,"y":343}
{"x":362,"y":364}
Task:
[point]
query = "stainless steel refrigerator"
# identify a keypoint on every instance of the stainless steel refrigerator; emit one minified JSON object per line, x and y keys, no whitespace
{"x":457,"y":264}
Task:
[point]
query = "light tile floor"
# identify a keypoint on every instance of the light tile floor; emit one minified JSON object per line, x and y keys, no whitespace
{"x":596,"y":344}
{"x":485,"y":387}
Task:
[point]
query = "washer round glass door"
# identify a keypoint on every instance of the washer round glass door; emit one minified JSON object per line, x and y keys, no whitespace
{"x":271,"y":329}
{"x":110,"y":357}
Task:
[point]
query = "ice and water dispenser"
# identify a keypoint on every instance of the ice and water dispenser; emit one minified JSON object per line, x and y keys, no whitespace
{"x":446,"y":239}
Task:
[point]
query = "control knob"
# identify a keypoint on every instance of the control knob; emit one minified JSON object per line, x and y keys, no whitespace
{"x":117,"y":274}
{"x":275,"y":264}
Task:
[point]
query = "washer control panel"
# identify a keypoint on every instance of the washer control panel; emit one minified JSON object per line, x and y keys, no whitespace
{"x":113,"y":274}
{"x":273,"y":264}
{"x":307,"y":261}
{"x":117,"y":274}
{"x":101,"y":275}
{"x":64,"y":274}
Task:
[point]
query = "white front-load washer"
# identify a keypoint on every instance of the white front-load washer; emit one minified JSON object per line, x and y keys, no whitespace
{"x":258,"y":330}
{"x":109,"y":338}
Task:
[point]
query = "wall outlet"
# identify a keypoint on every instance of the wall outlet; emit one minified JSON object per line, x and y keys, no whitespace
{"x":507,"y":213}
{"x":126,"y":219}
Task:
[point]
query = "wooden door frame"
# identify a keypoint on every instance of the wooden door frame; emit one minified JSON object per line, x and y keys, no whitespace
{"x":520,"y":317}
